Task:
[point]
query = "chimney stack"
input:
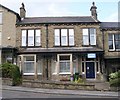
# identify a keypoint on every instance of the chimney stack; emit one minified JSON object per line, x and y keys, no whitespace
{"x":93,"y":10}
{"x":22,"y":11}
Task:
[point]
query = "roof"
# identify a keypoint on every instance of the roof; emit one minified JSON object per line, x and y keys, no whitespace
{"x":49,"y":20}
{"x":10,"y":10}
{"x":110,"y":25}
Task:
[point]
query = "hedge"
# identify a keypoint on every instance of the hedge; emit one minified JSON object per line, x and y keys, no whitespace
{"x":11,"y":71}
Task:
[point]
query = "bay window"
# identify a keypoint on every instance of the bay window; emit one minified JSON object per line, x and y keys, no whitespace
{"x":64,"y":37}
{"x":89,"y":36}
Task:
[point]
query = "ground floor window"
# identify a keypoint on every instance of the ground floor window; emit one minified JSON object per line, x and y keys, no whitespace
{"x":65,"y":63}
{"x":29,"y":64}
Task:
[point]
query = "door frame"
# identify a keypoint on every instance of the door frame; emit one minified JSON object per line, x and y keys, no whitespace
{"x":94,"y":70}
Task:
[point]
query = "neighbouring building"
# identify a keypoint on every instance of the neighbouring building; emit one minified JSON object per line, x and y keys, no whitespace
{"x":8,"y":20}
{"x":54,"y":48}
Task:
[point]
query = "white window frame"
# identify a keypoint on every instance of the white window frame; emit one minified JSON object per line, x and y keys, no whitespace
{"x":113,"y":42}
{"x":1,"y":18}
{"x":24,"y":37}
{"x":71,"y":64}
{"x":64,"y":37}
{"x":0,"y":38}
{"x":21,"y":63}
{"x":87,"y":35}
{"x":38,"y":37}
{"x":57,"y":37}
{"x":31,"y":37}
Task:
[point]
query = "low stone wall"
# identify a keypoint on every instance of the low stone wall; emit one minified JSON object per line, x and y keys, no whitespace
{"x":57,"y":85}
{"x":7,"y":81}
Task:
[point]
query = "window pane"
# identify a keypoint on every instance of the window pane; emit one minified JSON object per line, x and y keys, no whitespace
{"x":24,"y":37}
{"x":93,"y":36}
{"x":64,"y":58}
{"x":0,"y":18}
{"x":28,"y":64}
{"x":65,"y":66}
{"x":85,"y":37}
{"x":117,"y":36}
{"x":110,"y":36}
{"x":30,"y":37}
{"x":64,"y":39}
{"x":29,"y":58}
{"x":57,"y":37}
{"x":71,"y":37}
{"x":37,"y":38}
{"x":110,"y":44}
{"x":117,"y":44}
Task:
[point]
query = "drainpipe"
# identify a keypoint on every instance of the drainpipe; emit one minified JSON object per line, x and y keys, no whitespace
{"x":103,"y":60}
{"x":46,"y":48}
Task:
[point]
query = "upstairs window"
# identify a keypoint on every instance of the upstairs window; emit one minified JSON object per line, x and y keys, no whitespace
{"x":114,"y":41}
{"x":89,"y":36}
{"x":31,"y":37}
{"x":64,"y":37}
{"x":0,"y":18}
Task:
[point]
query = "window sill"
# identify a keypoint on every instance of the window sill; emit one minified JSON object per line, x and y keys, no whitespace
{"x":64,"y":46}
{"x":112,"y":50}
{"x":61,"y":73}
{"x":30,"y":46}
{"x":31,"y":74}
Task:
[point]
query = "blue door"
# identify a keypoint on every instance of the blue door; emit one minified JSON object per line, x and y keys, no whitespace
{"x":90,"y":70}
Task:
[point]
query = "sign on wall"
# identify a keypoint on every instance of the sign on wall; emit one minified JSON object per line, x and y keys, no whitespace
{"x":91,"y":55}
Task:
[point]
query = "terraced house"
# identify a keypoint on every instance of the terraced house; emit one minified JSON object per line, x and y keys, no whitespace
{"x":8,"y":20}
{"x":54,"y":48}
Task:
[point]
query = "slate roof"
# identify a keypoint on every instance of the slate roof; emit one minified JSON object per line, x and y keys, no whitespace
{"x":110,"y":25}
{"x":48,"y":20}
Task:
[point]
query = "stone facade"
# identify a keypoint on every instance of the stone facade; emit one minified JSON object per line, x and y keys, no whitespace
{"x":8,"y":32}
{"x":47,"y":61}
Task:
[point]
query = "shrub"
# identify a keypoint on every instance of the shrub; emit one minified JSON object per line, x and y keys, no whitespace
{"x":11,"y":71}
{"x":114,"y":79}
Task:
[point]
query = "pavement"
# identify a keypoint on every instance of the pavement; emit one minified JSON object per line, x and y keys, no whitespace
{"x":60,"y":91}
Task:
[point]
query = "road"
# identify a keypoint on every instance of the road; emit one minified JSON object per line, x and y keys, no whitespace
{"x":21,"y":94}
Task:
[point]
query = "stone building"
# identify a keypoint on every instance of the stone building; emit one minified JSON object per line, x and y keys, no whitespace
{"x":8,"y":20}
{"x":55,"y":48}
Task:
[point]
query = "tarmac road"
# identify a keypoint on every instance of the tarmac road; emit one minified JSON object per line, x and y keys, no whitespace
{"x":25,"y":92}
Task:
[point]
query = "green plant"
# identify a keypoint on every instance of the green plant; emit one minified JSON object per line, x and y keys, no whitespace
{"x":11,"y":71}
{"x":114,"y":79}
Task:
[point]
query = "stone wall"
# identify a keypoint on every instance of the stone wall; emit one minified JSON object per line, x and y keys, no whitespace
{"x":57,"y":85}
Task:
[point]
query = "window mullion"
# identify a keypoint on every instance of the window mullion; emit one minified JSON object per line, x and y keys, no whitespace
{"x":68,"y":36}
{"x":89,"y":36}
{"x":34,"y":37}
{"x":60,"y":36}
{"x":26,"y":37}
